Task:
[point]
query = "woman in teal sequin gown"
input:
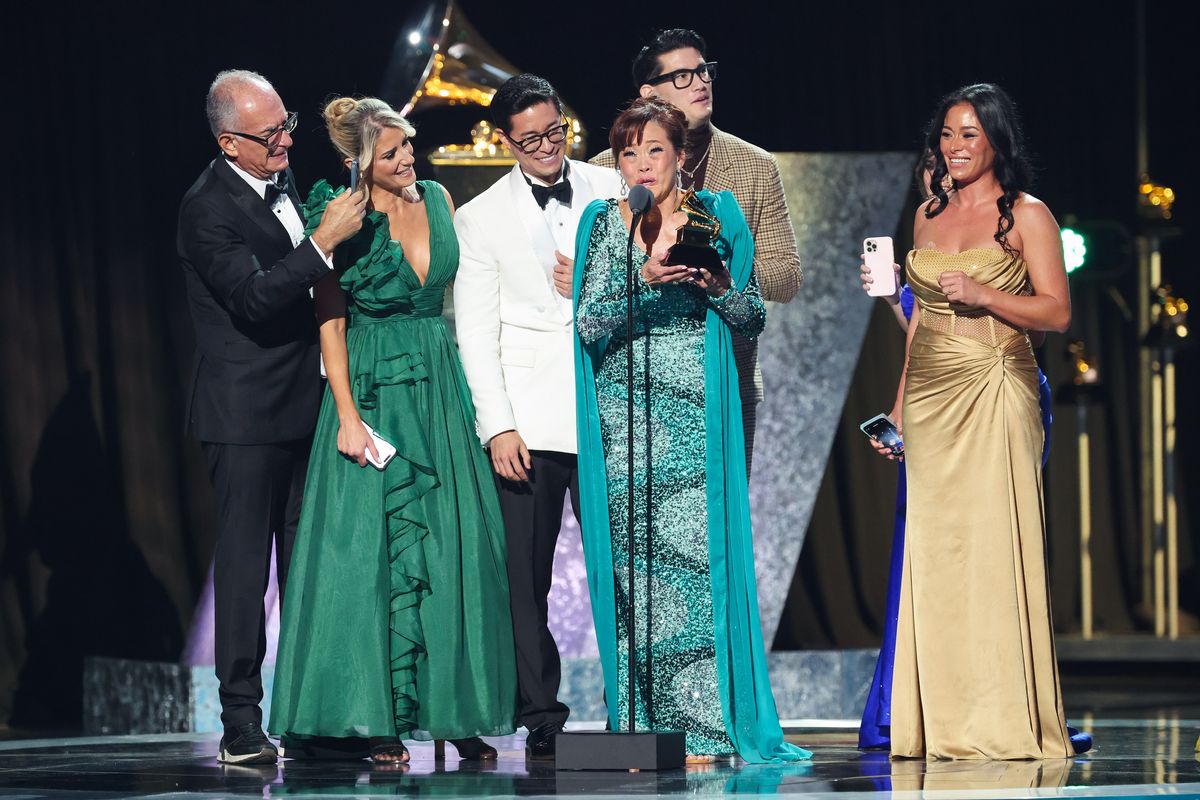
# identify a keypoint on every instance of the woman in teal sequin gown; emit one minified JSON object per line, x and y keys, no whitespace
{"x":396,"y":619}
{"x":700,"y":662}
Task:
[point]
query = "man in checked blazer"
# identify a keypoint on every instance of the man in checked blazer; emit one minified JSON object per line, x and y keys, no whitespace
{"x":673,"y":67}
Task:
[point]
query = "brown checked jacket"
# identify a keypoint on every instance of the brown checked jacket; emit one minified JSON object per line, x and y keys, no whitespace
{"x":751,"y":174}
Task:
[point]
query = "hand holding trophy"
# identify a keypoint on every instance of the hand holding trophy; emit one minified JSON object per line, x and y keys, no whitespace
{"x":694,"y":246}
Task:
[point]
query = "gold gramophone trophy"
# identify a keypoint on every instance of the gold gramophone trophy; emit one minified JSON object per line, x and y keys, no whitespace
{"x":440,"y":62}
{"x":694,"y":244}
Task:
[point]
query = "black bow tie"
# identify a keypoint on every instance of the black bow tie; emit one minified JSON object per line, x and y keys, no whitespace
{"x":560,"y":191}
{"x":277,"y":188}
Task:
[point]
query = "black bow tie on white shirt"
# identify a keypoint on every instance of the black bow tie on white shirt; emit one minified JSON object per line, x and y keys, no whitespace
{"x":560,"y":191}
{"x":276,"y":188}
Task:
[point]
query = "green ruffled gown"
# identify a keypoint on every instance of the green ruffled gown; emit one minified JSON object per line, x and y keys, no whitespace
{"x":396,"y":618}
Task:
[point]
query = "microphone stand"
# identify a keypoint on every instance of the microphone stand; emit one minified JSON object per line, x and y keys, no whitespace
{"x":629,"y":628}
{"x":629,"y":749}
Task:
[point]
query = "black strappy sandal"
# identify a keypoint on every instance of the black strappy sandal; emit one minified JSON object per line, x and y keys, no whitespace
{"x":386,"y":750}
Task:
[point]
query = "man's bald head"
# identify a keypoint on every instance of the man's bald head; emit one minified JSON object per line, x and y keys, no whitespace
{"x":234,"y":91}
{"x":250,"y":122}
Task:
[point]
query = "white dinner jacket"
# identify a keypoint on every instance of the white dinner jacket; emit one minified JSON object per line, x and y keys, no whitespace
{"x":515,"y":332}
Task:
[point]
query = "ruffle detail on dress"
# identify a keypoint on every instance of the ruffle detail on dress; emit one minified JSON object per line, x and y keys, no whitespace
{"x":386,"y":370}
{"x":408,"y":477}
{"x":314,"y":206}
{"x":372,"y":267}
{"x":375,"y":273}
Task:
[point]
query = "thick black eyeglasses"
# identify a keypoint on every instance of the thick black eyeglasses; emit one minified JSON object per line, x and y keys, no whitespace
{"x":275,"y":134}
{"x":532,"y":144}
{"x":682,"y":78}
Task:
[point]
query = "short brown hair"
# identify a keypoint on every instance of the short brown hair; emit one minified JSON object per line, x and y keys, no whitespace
{"x":630,"y":124}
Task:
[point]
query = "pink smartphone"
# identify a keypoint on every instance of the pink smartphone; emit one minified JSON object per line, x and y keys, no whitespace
{"x":880,"y":259}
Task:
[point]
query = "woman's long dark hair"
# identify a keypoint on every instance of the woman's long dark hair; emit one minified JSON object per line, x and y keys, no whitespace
{"x":997,"y":116}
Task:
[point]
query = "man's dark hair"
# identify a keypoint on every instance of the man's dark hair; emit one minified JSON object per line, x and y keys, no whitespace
{"x":519,"y":93}
{"x":645,"y":64}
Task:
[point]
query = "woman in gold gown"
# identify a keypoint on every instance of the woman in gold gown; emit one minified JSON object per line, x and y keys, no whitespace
{"x":975,"y":672}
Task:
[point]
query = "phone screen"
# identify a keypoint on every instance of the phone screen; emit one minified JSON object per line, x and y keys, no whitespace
{"x":884,"y":432}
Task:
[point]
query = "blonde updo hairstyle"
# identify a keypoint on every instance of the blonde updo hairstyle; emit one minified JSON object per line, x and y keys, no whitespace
{"x":354,"y":127}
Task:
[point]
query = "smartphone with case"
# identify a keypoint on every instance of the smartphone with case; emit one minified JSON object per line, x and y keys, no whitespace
{"x":883,"y":430}
{"x":385,"y":449}
{"x":354,"y":175}
{"x":880,"y":259}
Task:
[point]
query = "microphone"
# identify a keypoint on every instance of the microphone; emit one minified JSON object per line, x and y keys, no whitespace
{"x":640,"y":200}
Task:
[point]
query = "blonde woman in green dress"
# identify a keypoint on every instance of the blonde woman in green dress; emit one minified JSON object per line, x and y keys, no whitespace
{"x":396,"y":619}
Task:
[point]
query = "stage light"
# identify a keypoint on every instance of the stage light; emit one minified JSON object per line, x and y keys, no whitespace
{"x":1074,"y":249}
{"x":1168,"y":316}
{"x":1155,"y":199}
{"x":1095,"y":249}
{"x":414,"y":38}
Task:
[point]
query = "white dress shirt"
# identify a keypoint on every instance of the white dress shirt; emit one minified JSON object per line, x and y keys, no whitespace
{"x":558,"y":216}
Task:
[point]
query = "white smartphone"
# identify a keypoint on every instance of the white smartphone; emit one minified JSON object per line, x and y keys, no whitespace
{"x":880,"y":259}
{"x":881,"y":428}
{"x":385,"y":449}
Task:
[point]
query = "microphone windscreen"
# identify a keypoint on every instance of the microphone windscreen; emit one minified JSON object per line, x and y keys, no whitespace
{"x":640,"y":199}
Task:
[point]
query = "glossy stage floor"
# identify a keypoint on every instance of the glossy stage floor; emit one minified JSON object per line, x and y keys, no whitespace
{"x":1132,"y":758}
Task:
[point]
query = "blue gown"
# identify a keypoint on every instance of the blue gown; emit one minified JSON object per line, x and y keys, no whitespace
{"x":875,"y":729}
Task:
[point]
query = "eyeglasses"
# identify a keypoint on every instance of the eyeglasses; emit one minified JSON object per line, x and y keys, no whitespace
{"x":682,"y":78}
{"x":275,"y":134}
{"x":532,"y":144}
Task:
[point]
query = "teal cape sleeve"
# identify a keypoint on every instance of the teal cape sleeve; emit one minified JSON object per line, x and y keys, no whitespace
{"x":747,"y":704}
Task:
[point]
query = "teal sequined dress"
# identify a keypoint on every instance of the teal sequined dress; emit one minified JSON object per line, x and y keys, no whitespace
{"x":678,"y":674}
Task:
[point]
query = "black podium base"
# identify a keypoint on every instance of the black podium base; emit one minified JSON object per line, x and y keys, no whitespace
{"x":610,"y":750}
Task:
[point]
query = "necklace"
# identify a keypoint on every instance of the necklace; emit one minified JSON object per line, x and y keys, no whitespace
{"x":691,"y":173}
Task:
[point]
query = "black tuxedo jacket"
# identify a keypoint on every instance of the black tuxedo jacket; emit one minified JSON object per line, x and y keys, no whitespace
{"x":256,"y":377}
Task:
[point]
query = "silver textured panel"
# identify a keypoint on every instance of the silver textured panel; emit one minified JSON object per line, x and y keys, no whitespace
{"x":810,"y":347}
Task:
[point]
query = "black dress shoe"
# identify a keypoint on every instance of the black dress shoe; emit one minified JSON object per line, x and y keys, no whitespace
{"x":246,"y":744}
{"x":539,"y":744}
{"x":323,"y":748}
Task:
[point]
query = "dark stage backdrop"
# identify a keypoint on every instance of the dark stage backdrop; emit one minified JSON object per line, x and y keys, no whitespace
{"x":106,"y":533}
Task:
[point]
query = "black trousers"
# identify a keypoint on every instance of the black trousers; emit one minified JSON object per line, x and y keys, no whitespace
{"x":258,"y":491}
{"x":532,"y":516}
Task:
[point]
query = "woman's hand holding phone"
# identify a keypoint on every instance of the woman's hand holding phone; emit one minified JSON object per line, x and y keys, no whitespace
{"x":886,"y":428}
{"x":868,"y":280}
{"x":354,"y":441}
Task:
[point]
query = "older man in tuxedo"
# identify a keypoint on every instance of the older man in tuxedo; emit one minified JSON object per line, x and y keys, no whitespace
{"x":673,"y":67}
{"x":515,"y":334}
{"x":256,"y":381}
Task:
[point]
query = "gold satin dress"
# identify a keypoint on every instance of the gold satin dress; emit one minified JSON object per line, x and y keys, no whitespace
{"x":975,"y":674}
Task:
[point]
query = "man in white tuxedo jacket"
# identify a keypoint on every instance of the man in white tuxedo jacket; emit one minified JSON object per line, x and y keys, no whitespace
{"x":512,"y":311}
